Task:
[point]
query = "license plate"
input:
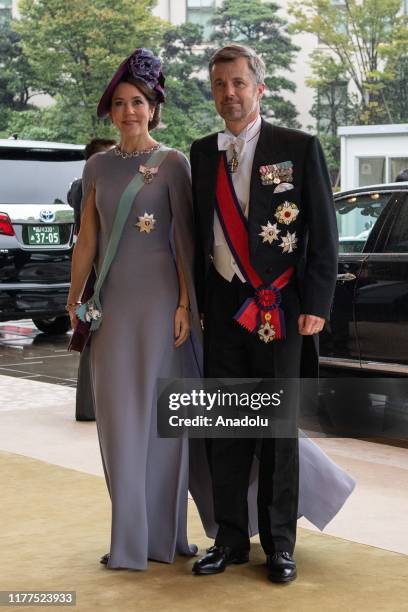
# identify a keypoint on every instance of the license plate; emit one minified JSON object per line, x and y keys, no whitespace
{"x":43,"y":234}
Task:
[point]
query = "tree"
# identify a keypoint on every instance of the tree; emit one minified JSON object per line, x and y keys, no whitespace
{"x":257,"y":24}
{"x":16,"y":76}
{"x":189,"y":111}
{"x":363,"y":40}
{"x":397,"y":92}
{"x":333,"y":106}
{"x":74,"y":47}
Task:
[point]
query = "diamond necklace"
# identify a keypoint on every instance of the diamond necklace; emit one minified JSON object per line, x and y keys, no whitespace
{"x":125,"y":155}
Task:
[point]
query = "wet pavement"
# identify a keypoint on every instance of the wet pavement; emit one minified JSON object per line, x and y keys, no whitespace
{"x":25,"y":352}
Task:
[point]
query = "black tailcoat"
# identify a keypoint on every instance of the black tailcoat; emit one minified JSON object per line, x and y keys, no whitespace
{"x":230,"y":351}
{"x":315,"y":258}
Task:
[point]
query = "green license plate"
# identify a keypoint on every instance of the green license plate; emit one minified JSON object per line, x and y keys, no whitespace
{"x":43,"y":234}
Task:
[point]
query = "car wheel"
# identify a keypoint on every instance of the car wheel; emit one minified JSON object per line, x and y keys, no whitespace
{"x":53,"y":325}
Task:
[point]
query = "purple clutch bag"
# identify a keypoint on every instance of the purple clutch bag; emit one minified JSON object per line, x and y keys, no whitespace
{"x":82,"y":332}
{"x":80,"y":337}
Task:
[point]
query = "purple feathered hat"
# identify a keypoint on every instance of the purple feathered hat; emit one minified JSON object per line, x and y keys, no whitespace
{"x":141,"y":64}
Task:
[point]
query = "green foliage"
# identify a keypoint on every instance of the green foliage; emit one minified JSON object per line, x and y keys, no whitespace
{"x":58,"y":122}
{"x":74,"y":47}
{"x":16,"y":76}
{"x":362,"y":49}
{"x":397,"y":92}
{"x":69,"y":50}
{"x":257,"y":24}
{"x":364,"y":41}
{"x":189,"y":111}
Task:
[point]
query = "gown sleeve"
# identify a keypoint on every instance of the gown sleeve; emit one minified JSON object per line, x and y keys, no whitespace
{"x":88,"y":179}
{"x":181,"y":204}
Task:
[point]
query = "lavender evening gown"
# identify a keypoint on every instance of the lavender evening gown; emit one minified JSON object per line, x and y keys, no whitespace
{"x":147,"y":476}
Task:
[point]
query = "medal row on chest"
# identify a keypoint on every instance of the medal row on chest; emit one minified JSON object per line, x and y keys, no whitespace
{"x":279,"y":175}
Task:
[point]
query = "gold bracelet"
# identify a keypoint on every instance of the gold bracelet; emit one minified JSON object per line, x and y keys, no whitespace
{"x":184,"y":306}
{"x":72,"y":305}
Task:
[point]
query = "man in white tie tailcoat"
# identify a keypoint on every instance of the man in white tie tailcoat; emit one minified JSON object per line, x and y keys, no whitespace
{"x":278,"y":181}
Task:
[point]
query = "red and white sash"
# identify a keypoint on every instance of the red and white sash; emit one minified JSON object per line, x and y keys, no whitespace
{"x":261,"y":312}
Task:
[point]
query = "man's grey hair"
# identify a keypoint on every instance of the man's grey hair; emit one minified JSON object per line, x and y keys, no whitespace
{"x":233,"y":52}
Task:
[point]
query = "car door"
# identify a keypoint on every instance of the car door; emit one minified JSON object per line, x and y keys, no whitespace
{"x":360,"y":217}
{"x":381,"y":294}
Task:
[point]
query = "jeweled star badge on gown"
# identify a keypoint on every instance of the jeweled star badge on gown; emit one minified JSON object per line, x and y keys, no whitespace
{"x":148,"y":173}
{"x":289,"y":242}
{"x":146,"y":223}
{"x":269,"y":232}
{"x":286,"y":213}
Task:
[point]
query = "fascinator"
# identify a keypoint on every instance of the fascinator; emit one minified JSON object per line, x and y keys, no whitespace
{"x":141,"y":64}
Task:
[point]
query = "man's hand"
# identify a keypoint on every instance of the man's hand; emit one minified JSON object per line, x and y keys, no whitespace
{"x":309,"y":324}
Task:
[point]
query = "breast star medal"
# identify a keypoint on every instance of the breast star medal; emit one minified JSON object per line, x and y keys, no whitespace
{"x":269,"y":232}
{"x":148,"y":173}
{"x":146,"y":223}
{"x":289,"y":242}
{"x":286,"y":213}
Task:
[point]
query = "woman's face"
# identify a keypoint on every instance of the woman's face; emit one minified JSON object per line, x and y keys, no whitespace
{"x":130,"y":111}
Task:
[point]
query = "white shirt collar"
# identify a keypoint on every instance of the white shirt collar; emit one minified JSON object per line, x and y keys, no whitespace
{"x":249,"y":131}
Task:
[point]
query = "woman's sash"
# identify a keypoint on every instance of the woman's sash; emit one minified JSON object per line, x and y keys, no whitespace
{"x":91,"y":311}
{"x":261,"y":312}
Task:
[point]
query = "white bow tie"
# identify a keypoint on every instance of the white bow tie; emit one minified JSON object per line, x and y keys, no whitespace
{"x":225,"y":141}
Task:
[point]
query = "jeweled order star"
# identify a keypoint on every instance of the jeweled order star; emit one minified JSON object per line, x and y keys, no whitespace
{"x":269,"y":232}
{"x":286,"y":213}
{"x":146,"y":223}
{"x":267,"y":332}
{"x":288,"y":243}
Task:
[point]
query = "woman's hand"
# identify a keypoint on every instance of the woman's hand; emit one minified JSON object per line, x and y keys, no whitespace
{"x":73,"y":317}
{"x":181,"y":325}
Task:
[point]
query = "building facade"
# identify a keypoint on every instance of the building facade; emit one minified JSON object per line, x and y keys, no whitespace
{"x":372,"y":154}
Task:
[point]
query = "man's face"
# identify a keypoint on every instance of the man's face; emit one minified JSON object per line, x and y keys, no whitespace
{"x":236,"y":95}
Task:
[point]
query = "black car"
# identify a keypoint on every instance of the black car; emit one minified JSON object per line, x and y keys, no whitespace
{"x":368,"y":328}
{"x":36,"y":230}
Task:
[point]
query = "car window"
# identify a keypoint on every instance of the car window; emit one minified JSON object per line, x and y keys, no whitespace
{"x":37,"y":176}
{"x":397,"y":241}
{"x":356,"y":216}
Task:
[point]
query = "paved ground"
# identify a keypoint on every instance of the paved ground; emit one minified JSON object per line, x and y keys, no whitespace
{"x":37,"y":407}
{"x":25,"y":352}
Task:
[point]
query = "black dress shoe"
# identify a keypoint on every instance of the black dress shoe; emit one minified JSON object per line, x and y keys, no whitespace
{"x":104,"y":560}
{"x":217,"y":559}
{"x":281,"y":567}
